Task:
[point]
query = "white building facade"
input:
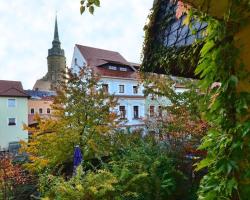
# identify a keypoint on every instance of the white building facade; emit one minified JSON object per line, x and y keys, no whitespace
{"x":119,"y":78}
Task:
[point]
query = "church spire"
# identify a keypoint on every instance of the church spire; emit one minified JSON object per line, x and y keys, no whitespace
{"x":56,"y":44}
{"x":56,"y":35}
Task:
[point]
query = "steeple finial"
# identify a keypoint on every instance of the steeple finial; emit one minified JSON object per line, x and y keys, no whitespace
{"x":56,"y":35}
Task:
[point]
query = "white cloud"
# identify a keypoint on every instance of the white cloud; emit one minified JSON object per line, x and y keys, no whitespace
{"x":26,"y":30}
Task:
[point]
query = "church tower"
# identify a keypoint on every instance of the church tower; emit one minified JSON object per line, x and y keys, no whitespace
{"x":56,"y":62}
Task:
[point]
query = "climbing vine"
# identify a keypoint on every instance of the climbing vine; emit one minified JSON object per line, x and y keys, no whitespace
{"x":227,"y":106}
{"x":163,"y":54}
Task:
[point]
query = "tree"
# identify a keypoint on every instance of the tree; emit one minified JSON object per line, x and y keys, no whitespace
{"x":180,"y":123}
{"x":12,"y":178}
{"x":82,"y":115}
{"x":141,"y":170}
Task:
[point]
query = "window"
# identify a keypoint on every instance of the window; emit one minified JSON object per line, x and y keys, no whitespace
{"x":135,"y":89}
{"x":12,"y":121}
{"x":75,"y":61}
{"x":105,"y":88}
{"x":48,"y":110}
{"x":32,"y":111}
{"x":136,"y":112}
{"x":40,"y":111}
{"x":122,"y":112}
{"x":151,"y":111}
{"x":11,"y":103}
{"x":113,"y":67}
{"x":160,"y":111}
{"x":121,"y":88}
{"x":124,"y":69}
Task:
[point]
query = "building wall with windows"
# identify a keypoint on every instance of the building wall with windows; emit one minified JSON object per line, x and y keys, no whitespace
{"x":13,"y":114}
{"x":42,"y":107}
{"x":131,"y":101}
{"x":39,"y":103}
{"x":117,"y":77}
{"x":154,"y":106}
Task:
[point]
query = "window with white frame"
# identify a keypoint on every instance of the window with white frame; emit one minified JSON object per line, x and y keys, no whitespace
{"x":32,"y":111}
{"x":11,"y":103}
{"x":112,"y":67}
{"x":136,"y":112}
{"x":122,"y":111}
{"x":12,"y":121}
{"x":124,"y":69}
{"x":40,"y":111}
{"x":48,"y":110}
{"x":121,"y":88}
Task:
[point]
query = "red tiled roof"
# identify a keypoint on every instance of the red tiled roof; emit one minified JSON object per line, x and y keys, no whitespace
{"x":97,"y":57}
{"x":12,"y":89}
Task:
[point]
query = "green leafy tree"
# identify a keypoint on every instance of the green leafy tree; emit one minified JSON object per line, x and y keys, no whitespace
{"x":180,"y":124}
{"x":82,"y":115}
{"x":141,"y":170}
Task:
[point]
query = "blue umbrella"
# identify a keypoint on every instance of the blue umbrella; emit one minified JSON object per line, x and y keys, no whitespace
{"x":77,"y":157}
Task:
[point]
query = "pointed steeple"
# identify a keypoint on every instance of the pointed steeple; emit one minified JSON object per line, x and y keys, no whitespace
{"x":56,"y":35}
{"x":56,"y":44}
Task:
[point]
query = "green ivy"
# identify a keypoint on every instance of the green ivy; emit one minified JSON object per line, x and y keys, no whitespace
{"x":227,"y":109}
{"x":227,"y":143}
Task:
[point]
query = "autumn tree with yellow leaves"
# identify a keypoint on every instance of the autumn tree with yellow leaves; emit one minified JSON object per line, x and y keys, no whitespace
{"x":82,"y":115}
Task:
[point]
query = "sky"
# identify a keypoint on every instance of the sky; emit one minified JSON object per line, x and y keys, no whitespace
{"x":27,"y":27}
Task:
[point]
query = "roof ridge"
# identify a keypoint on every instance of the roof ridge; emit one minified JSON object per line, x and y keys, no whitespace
{"x":10,"y":81}
{"x":99,"y":49}
{"x":14,"y":89}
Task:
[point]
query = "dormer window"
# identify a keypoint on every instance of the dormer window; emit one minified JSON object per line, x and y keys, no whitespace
{"x":124,"y":69}
{"x":112,"y":67}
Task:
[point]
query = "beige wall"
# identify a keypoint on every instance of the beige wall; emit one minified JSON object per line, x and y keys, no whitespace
{"x":38,"y":103}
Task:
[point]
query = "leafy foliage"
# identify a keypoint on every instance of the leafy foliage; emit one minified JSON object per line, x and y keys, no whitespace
{"x":226,"y":143}
{"x":141,"y":172}
{"x":181,"y":124}
{"x":90,"y":5}
{"x":13,"y":179}
{"x":82,"y":116}
{"x":226,"y":107}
